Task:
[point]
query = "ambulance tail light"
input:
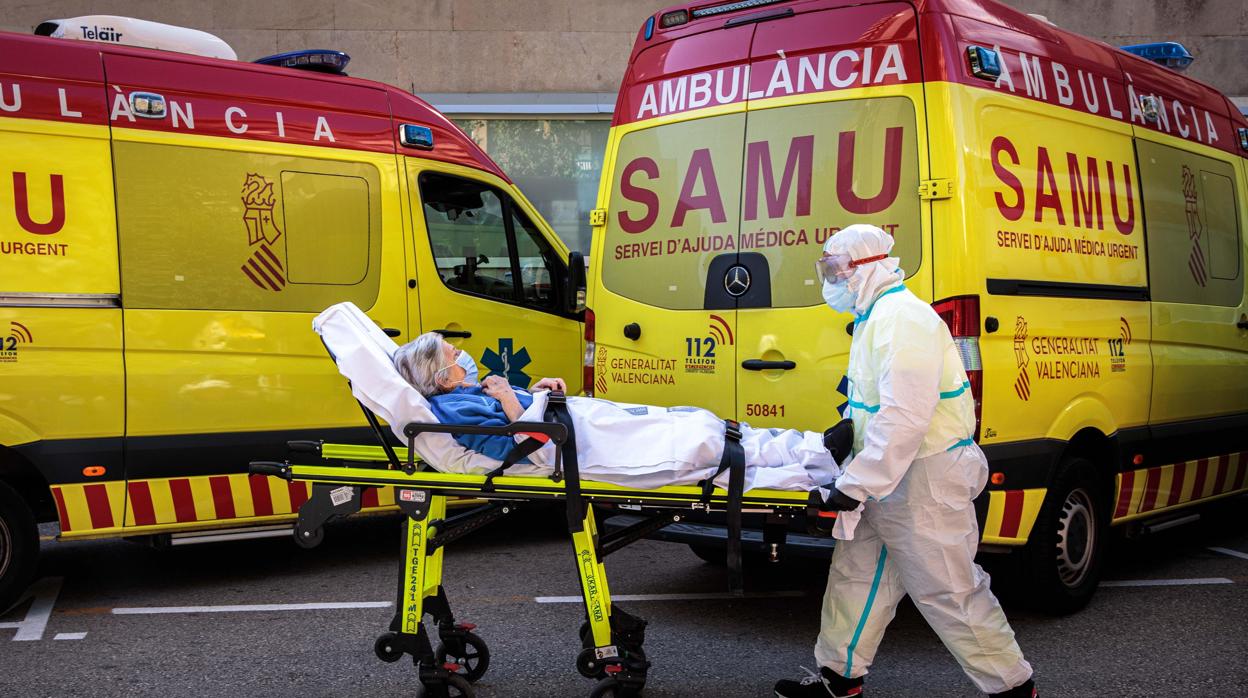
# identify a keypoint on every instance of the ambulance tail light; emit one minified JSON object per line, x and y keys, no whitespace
{"x":961,"y":314}
{"x":674,"y":19}
{"x":587,"y":363}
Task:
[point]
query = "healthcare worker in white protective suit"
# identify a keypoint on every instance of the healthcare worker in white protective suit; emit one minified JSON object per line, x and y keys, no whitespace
{"x":907,"y":524}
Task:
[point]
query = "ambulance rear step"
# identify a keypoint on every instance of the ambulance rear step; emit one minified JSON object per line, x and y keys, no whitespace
{"x":226,"y":534}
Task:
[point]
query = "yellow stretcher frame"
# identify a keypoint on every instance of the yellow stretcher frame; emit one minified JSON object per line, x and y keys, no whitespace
{"x":611,"y":638}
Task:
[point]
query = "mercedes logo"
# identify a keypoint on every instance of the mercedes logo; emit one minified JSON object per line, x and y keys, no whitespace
{"x":737,"y":281}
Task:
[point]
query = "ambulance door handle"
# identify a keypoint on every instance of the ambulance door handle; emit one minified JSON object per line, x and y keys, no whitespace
{"x":761,"y":365}
{"x":465,"y":334}
{"x":1242,"y":324}
{"x":391,"y":332}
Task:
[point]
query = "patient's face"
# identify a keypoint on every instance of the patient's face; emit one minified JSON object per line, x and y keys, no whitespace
{"x":454,"y":375}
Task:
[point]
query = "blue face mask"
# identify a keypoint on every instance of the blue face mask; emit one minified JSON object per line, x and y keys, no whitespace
{"x":838,"y":296}
{"x":470,"y":367}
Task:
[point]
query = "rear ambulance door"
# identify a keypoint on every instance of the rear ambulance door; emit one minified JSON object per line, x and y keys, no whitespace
{"x":234,"y":232}
{"x":667,"y":330}
{"x":835,"y":135}
{"x":61,"y":370}
{"x":489,"y":273}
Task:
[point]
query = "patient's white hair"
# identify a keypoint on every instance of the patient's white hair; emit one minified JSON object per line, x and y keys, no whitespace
{"x":419,"y":361}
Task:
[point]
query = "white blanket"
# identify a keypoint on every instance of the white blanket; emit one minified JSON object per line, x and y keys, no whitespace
{"x":632,"y":445}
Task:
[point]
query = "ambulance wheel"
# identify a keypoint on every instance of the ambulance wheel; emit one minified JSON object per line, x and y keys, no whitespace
{"x":471,"y":654}
{"x":19,"y":546}
{"x":1061,"y":564}
{"x":387,"y":649}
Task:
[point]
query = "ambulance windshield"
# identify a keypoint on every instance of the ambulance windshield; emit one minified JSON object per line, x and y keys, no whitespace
{"x":775,"y":181}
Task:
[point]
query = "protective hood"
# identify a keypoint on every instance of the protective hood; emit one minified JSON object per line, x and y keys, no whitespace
{"x":862,"y":242}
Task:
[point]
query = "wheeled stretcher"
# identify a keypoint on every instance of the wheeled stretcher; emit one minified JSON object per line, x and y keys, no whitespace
{"x":611,"y":639}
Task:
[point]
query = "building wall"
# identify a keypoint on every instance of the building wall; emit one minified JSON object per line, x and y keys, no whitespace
{"x":459,"y":46}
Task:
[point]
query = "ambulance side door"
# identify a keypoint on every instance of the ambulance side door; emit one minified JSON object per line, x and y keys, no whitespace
{"x":61,"y":371}
{"x":490,"y":276}
{"x":1193,"y":205}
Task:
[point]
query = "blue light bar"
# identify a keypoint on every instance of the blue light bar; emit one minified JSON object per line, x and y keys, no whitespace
{"x":319,"y":60}
{"x":984,"y":62}
{"x":650,"y":28}
{"x":1171,"y":54}
{"x":414,"y":136}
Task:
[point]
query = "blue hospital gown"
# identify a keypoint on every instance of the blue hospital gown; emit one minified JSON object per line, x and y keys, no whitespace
{"x":470,"y":405}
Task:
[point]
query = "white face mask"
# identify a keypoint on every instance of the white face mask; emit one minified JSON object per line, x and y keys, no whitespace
{"x":838,"y":296}
{"x":470,"y":368}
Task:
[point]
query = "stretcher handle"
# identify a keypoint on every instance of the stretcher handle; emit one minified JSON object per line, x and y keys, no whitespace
{"x":304,"y":446}
{"x":555,"y":431}
{"x":269,"y":468}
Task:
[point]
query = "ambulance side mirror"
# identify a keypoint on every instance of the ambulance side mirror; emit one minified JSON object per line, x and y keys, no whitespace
{"x":574,"y":284}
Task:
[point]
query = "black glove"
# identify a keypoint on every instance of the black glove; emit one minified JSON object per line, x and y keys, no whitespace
{"x":839,"y":501}
{"x":839,"y":440}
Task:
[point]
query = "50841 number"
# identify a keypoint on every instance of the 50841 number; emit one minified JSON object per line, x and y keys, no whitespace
{"x":755,"y":409}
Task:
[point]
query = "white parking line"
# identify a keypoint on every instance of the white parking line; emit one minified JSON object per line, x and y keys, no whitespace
{"x":249,"y":608}
{"x":1166,"y":582}
{"x":32,"y":627}
{"x":674,"y":597}
{"x":1232,"y":553}
{"x":69,"y":636}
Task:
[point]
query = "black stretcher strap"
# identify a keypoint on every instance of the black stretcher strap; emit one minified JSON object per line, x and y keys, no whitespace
{"x":557,"y":409}
{"x":733,"y":461}
{"x":519,"y":451}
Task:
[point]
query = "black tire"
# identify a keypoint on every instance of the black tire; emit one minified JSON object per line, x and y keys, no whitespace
{"x":458,"y":687}
{"x":387,"y":649}
{"x":19,"y":546}
{"x":714,"y":554}
{"x":606,"y":688}
{"x":1060,"y":567}
{"x":472,"y":655}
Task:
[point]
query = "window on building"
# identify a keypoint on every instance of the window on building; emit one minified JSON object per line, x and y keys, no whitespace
{"x":556,"y":163}
{"x":1193,"y":227}
{"x":484,"y":245}
{"x":251,"y":231}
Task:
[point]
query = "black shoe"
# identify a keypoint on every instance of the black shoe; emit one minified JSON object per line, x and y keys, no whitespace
{"x":839,"y":440}
{"x":1026,"y":690}
{"x":828,"y":684}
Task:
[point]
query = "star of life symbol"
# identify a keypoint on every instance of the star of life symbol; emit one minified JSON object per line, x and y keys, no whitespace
{"x":263,"y":266}
{"x":508,"y":363}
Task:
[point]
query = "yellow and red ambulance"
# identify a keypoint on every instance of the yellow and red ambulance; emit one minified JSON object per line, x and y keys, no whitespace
{"x":1075,"y":212}
{"x":169,"y":225}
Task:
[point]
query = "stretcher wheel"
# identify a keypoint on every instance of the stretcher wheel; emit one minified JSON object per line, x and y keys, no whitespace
{"x":588,"y":665}
{"x":470,"y":652}
{"x":309,"y":539}
{"x":610,"y":688}
{"x":387,"y":648}
{"x":458,"y":687}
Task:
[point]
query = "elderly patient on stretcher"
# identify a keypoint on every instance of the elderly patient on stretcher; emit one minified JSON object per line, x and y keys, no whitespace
{"x":635,"y":445}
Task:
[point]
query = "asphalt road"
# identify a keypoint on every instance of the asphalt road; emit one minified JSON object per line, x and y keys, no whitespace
{"x":1184,"y":639}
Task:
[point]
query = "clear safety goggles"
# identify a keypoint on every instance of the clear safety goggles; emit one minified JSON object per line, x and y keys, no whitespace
{"x":838,"y":267}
